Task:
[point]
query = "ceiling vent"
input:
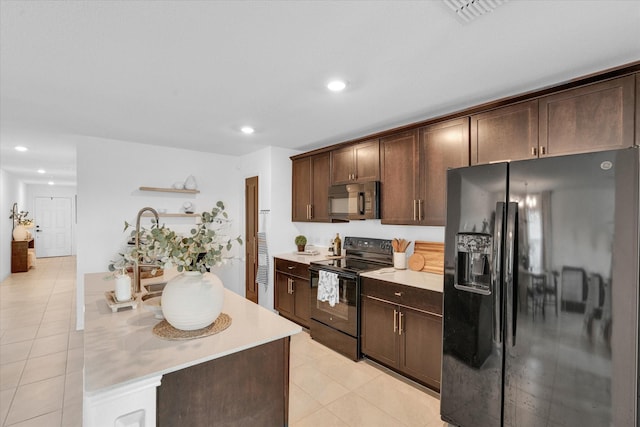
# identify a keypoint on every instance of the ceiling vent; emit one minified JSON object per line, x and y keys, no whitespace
{"x":468,"y":10}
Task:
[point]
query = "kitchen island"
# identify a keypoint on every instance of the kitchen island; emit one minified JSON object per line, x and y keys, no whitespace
{"x":239,"y":376}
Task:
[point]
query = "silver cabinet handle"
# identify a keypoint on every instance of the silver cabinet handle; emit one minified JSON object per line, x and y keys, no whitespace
{"x":400,"y":322}
{"x":291,"y":267}
{"x":534,"y":151}
{"x":420,"y":209}
{"x":414,"y":210}
{"x":395,"y":320}
{"x":398,"y":294}
{"x":293,"y":286}
{"x":543,"y":150}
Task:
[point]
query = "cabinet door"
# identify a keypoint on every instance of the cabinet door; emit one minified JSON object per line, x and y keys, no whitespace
{"x":507,"y":133}
{"x":421,"y":346}
{"x":442,"y":146}
{"x":301,"y":294}
{"x":367,"y":161}
{"x":342,"y":165}
{"x":637,"y":109}
{"x":379,"y":339}
{"x":589,"y":118}
{"x":301,"y":189}
{"x":320,"y":188}
{"x":284,"y":301}
{"x":398,"y":186}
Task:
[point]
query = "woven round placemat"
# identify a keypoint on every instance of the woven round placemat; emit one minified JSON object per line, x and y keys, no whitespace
{"x":165,"y":331}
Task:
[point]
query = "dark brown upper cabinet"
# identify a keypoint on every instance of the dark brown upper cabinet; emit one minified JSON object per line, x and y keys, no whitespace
{"x":414,"y":171}
{"x":399,"y":178}
{"x":506,"y":133}
{"x":356,"y":163}
{"x":595,"y":117}
{"x":310,"y":188}
{"x":443,"y":146}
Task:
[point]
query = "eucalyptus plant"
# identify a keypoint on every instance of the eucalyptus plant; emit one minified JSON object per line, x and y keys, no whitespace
{"x":204,"y":247}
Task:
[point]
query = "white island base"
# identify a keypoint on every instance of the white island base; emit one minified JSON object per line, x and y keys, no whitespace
{"x":239,"y":376}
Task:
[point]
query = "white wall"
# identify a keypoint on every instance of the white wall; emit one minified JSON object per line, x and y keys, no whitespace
{"x":66,"y":191}
{"x":273,"y":169}
{"x":11,"y":191}
{"x":321,"y":233}
{"x":109,"y":175}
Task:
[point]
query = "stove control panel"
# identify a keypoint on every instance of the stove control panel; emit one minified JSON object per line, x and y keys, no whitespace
{"x":369,"y":245}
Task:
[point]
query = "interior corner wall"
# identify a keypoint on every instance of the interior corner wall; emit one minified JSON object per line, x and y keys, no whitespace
{"x":12,"y":190}
{"x":273,"y":168}
{"x":109,"y":175}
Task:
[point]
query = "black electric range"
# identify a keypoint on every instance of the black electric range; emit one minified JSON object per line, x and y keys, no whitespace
{"x":336,"y":324}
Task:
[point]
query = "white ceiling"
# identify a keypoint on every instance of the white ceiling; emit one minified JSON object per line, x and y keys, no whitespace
{"x":190,"y":74}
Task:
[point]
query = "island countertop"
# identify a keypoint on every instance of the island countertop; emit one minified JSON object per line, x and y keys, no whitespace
{"x":120,"y":348}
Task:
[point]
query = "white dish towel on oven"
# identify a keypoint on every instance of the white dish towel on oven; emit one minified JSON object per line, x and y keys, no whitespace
{"x":328,"y":289}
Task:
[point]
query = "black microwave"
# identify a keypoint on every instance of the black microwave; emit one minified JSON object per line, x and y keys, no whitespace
{"x":354,"y":201}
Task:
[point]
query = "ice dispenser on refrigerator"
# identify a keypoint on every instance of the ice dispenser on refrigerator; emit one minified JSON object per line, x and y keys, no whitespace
{"x":473,"y":263}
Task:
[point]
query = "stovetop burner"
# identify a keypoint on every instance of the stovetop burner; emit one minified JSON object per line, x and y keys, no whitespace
{"x":349,"y":264}
{"x":361,"y":254}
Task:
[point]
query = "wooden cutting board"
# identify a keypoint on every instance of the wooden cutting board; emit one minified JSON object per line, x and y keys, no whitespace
{"x":416,"y":262}
{"x":433,"y":254}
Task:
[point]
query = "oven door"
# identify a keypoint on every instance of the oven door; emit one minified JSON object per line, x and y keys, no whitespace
{"x":343,"y":316}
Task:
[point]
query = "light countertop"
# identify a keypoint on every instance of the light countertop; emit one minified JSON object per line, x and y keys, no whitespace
{"x":120,"y":348}
{"x":418,"y":279}
{"x":305,"y":259}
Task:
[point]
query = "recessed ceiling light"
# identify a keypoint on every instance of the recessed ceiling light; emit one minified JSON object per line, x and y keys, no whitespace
{"x":42,"y":171}
{"x":336,"y":85}
{"x":20,"y":148}
{"x":50,"y":182}
{"x":247,"y":129}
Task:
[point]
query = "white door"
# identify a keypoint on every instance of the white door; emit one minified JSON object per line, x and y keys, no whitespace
{"x":53,"y":226}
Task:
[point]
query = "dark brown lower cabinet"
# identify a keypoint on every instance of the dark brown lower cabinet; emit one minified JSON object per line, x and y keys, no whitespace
{"x":292,"y":291}
{"x":405,"y":339}
{"x":249,"y":388}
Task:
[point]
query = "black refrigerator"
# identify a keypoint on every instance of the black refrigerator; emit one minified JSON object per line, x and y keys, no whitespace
{"x":540,"y":322}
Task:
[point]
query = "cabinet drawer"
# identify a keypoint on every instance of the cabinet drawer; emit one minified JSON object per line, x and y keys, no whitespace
{"x":408,"y":296}
{"x":293,"y":268}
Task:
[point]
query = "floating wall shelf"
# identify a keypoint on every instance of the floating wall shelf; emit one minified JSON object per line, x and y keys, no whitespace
{"x":169,"y":190}
{"x":172,"y":215}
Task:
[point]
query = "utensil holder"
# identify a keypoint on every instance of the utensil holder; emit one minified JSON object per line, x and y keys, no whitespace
{"x":400,"y":260}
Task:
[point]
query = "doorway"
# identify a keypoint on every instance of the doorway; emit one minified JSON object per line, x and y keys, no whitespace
{"x":53,"y":226}
{"x":251,"y":236}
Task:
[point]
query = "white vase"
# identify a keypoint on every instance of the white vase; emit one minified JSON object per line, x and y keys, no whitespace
{"x":21,"y":233}
{"x":190,"y":183}
{"x":192,"y":300}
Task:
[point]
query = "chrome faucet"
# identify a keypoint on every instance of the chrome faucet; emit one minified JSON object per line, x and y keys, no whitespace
{"x":136,"y":267}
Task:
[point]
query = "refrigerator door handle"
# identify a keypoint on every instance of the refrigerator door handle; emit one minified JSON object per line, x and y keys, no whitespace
{"x":496,"y":271}
{"x":510,"y":278}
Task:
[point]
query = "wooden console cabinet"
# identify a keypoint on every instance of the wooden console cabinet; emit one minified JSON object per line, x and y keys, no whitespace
{"x":20,"y":255}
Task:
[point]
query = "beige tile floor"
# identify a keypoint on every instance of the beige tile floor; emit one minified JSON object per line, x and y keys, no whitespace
{"x":41,"y":366}
{"x":328,"y":389}
{"x":40,"y":351}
